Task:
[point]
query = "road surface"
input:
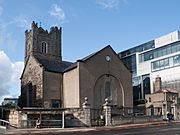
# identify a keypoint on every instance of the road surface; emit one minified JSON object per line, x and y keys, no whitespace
{"x":162,"y":129}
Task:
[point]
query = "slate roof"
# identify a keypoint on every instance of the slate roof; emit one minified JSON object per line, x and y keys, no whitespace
{"x":72,"y":66}
{"x":54,"y":65}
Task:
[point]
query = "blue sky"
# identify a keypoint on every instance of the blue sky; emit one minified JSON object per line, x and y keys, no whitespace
{"x":88,"y":25}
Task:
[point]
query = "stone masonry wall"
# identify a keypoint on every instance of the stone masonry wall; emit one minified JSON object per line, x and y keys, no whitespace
{"x":32,"y":74}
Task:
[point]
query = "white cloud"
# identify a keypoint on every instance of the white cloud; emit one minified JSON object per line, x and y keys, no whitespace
{"x":110,"y":4}
{"x":9,"y":76}
{"x":17,"y":71}
{"x":57,"y":12}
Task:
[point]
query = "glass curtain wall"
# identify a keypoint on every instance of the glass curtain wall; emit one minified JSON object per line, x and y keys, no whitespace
{"x":146,"y":84}
{"x":130,"y":63}
{"x":137,"y":93}
{"x":162,"y":51}
{"x":140,"y":48}
{"x":165,"y":63}
{"x":141,"y":86}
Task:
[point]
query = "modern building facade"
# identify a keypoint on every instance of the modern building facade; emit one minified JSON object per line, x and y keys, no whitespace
{"x":158,"y":57}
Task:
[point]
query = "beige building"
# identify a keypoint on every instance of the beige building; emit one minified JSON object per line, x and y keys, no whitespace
{"x":49,"y":82}
{"x":162,"y":101}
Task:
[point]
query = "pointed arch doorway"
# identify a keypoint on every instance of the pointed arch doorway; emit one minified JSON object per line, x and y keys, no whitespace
{"x":108,"y":86}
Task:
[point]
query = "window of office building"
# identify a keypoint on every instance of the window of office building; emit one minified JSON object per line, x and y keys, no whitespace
{"x":159,"y":52}
{"x":176,"y":60}
{"x":146,"y":84}
{"x":130,"y":63}
{"x":140,"y":48}
{"x":137,"y":93}
{"x":160,"y":64}
{"x":141,"y":86}
{"x":155,"y":65}
{"x":148,"y":56}
{"x":166,"y":63}
{"x":174,"y":48}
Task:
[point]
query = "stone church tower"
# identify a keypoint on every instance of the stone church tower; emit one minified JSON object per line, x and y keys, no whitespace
{"x":41,"y":80}
{"x":42,"y":44}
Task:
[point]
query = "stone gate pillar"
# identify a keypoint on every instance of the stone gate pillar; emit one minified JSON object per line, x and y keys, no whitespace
{"x":174,"y":106}
{"x":164,"y":110}
{"x":87,"y":112}
{"x":107,"y":110}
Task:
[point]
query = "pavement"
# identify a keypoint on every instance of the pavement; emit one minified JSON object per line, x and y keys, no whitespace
{"x":82,"y":129}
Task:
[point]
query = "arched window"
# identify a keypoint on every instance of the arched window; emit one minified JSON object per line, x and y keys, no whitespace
{"x":44,"y":47}
{"x":107,"y":89}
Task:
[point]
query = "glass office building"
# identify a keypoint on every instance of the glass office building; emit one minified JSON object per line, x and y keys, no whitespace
{"x":158,"y":57}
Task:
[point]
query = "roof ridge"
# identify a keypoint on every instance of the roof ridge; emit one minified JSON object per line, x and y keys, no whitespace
{"x":94,"y":53}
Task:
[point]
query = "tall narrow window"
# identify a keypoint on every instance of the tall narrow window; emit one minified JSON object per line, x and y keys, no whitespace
{"x":107,"y":90}
{"x":44,"y":47}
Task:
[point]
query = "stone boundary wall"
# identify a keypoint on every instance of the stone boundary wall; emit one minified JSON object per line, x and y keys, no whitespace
{"x":77,"y":117}
{"x":119,"y":120}
{"x":81,"y":117}
{"x":74,"y":117}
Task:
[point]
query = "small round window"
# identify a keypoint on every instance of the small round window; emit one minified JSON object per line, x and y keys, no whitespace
{"x":108,"y":58}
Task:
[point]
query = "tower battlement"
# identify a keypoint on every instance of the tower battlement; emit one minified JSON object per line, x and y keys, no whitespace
{"x":43,"y":43}
{"x":35,"y":27}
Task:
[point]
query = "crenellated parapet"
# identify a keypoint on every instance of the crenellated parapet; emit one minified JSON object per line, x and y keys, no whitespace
{"x":43,"y":43}
{"x":39,"y":29}
{"x":55,"y":29}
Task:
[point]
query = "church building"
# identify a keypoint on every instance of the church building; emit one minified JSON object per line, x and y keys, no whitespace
{"x":49,"y":82}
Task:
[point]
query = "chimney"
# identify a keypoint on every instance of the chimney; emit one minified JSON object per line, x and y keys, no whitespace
{"x":157,"y":84}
